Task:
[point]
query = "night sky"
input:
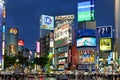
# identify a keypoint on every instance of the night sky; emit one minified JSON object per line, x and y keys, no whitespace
{"x":25,"y":15}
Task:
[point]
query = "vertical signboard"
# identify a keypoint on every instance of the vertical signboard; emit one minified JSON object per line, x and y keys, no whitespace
{"x":86,"y":11}
{"x":63,"y":30}
{"x":38,"y":47}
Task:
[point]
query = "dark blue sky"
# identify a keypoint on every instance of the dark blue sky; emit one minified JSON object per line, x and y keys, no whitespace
{"x":25,"y":14}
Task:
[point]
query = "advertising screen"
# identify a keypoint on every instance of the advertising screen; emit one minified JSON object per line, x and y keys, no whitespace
{"x":12,"y":49}
{"x":20,"y":42}
{"x":63,"y":30}
{"x":105,"y":44}
{"x":47,"y":22}
{"x":86,"y":56}
{"x":86,"y":11}
{"x":105,"y":31}
{"x":86,"y":42}
{"x":85,"y":32}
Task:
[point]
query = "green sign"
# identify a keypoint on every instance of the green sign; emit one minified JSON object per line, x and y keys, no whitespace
{"x":85,"y":16}
{"x":86,"y":11}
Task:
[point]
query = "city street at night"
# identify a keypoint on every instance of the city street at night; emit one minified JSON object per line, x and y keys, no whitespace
{"x":59,"y":39}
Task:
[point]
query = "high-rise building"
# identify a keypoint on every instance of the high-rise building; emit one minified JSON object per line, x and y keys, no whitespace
{"x":44,"y":45}
{"x":62,"y":40}
{"x":12,"y":41}
{"x":2,"y":33}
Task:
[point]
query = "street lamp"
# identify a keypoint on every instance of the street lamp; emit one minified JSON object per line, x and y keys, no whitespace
{"x":17,"y":60}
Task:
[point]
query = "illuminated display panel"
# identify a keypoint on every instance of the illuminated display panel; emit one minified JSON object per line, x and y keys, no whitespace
{"x":86,"y":42}
{"x":63,"y":30}
{"x":20,"y":42}
{"x":13,"y":30}
{"x":105,"y":44}
{"x":86,"y":11}
{"x":47,"y":22}
{"x":105,"y":31}
{"x":86,"y":56}
{"x":12,"y":49}
{"x":38,"y":47}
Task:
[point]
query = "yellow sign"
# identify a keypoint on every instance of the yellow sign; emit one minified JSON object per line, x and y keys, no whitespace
{"x":13,"y":30}
{"x":105,"y":44}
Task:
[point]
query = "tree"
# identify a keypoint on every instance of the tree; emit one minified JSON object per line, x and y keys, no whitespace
{"x":9,"y":61}
{"x":22,"y":59}
{"x":42,"y":61}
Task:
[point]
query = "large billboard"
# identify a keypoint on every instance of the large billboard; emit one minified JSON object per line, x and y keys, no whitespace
{"x":86,"y":11}
{"x":86,"y":42}
{"x":47,"y":22}
{"x":85,"y":32}
{"x":12,"y":49}
{"x":86,"y":56}
{"x":63,"y":30}
{"x":105,"y":44}
{"x":105,"y":31}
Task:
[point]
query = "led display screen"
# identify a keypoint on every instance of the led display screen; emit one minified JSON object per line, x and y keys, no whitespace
{"x":86,"y":56}
{"x":85,"y":32}
{"x":105,"y":31}
{"x":20,"y":42}
{"x":86,"y":42}
{"x":105,"y":44}
{"x":86,"y":11}
{"x":63,"y":30}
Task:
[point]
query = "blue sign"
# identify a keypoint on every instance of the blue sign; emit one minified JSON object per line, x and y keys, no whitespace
{"x":47,"y":20}
{"x":105,"y":31}
{"x":86,"y":6}
{"x":86,"y":33}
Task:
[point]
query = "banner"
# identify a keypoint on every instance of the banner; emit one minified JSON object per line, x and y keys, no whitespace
{"x":63,"y":30}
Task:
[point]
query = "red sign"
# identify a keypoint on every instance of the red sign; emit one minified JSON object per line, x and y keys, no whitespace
{"x":20,"y":42}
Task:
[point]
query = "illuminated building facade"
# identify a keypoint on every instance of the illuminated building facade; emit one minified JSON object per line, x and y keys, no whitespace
{"x":2,"y":33}
{"x":62,"y":41}
{"x":12,"y":42}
